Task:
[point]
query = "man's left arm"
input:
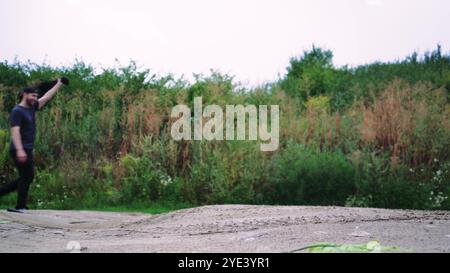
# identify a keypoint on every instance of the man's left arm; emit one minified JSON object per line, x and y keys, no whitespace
{"x":44,"y":99}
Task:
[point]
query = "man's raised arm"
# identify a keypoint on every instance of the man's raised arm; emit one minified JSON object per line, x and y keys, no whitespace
{"x":45,"y":98}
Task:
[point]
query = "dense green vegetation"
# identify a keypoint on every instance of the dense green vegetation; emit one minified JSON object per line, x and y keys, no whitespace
{"x":376,"y":135}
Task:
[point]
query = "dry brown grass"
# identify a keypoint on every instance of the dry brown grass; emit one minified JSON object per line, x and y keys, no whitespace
{"x":403,"y":120}
{"x":142,"y":119}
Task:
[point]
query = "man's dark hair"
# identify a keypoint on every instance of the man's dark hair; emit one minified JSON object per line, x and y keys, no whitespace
{"x":28,"y":90}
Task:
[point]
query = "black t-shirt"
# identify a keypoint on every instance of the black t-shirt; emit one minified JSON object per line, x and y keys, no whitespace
{"x":26,"y":120}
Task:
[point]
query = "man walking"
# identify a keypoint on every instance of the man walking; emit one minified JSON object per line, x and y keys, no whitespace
{"x":23,"y":133}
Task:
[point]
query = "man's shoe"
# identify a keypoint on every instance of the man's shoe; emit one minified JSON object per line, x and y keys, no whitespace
{"x":16,"y":210}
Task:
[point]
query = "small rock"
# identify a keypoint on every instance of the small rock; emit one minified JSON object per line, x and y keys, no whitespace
{"x":360,"y":234}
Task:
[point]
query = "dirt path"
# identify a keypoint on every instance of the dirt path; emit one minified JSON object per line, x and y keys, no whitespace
{"x":227,"y":228}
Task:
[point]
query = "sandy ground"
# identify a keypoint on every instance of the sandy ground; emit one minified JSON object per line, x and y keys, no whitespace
{"x":225,"y":228}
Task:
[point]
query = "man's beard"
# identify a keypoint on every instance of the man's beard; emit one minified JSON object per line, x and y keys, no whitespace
{"x":31,"y":103}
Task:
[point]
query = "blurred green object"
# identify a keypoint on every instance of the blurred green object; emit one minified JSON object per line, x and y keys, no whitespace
{"x":370,"y":247}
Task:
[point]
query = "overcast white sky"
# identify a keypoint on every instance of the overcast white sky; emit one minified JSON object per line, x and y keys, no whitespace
{"x":251,"y":39}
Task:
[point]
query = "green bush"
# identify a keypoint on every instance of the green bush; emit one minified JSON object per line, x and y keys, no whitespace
{"x":146,"y":181}
{"x":303,"y":176}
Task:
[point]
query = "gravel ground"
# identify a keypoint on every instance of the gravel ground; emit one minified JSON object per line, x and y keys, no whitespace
{"x":224,"y":228}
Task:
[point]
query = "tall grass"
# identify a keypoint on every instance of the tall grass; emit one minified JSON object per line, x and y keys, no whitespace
{"x":375,"y":135}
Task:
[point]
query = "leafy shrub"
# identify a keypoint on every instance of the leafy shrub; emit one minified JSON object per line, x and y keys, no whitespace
{"x":303,"y":176}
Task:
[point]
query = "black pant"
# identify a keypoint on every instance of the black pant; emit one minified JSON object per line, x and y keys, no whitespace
{"x":21,"y":184}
